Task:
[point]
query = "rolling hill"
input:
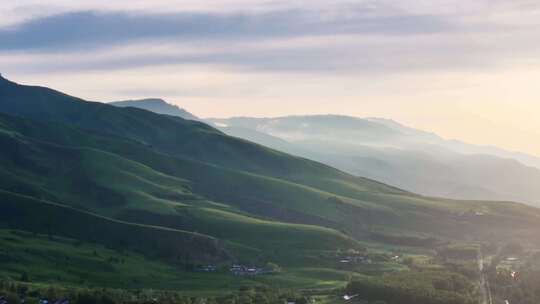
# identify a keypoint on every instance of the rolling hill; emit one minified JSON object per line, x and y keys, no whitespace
{"x":107,"y":184}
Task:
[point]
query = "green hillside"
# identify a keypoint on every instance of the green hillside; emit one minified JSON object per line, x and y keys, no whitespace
{"x":97,"y":178}
{"x":105,"y":183}
{"x":70,"y":262}
{"x":167,"y":134}
{"x":38,"y":216}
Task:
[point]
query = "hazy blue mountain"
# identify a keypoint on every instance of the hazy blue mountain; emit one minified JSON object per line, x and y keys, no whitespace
{"x":408,"y":158}
{"x":156,"y":105}
{"x":460,"y":146}
{"x":300,"y":128}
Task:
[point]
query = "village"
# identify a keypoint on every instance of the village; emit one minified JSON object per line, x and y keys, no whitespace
{"x":349,"y":258}
{"x":343,"y":260}
{"x":22,"y":300}
{"x":242,"y":270}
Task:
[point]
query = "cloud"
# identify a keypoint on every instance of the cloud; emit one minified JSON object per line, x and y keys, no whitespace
{"x":362,"y":37}
{"x":310,"y":40}
{"x":98,"y":29}
{"x":366,"y":37}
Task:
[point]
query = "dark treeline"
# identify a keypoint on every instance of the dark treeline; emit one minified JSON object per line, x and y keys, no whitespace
{"x":525,"y":289}
{"x":518,"y":283}
{"x":15,"y":292}
{"x":419,"y":287}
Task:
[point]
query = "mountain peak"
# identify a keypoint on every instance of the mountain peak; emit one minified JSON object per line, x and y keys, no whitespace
{"x":5,"y":81}
{"x":156,"y":105}
{"x":2,"y":79}
{"x":156,"y":101}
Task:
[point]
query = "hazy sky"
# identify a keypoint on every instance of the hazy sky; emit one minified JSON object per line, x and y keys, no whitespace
{"x":464,"y":69}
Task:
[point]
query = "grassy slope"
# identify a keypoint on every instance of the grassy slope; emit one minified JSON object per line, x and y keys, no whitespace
{"x":66,"y":261}
{"x":172,"y":135}
{"x":99,"y":253}
{"x":165,"y":183}
{"x":22,"y":212}
{"x":331,"y":199}
{"x":111,"y":185}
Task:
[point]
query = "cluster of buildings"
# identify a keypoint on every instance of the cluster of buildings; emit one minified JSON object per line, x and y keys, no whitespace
{"x":241,"y":270}
{"x":472,"y":213}
{"x":60,"y":301}
{"x":207,"y":268}
{"x":22,"y":300}
{"x":236,"y":269}
{"x":355,"y":260}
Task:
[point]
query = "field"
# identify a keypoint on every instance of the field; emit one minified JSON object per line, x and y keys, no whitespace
{"x":62,"y":262}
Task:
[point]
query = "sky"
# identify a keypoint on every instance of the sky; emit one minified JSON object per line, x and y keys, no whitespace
{"x":467,"y":70}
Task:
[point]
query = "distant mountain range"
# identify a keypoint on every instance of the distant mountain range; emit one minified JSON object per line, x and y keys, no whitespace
{"x":155,"y":105}
{"x":459,"y":146}
{"x":407,"y":158}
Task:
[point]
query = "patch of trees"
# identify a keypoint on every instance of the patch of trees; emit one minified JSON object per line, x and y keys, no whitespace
{"x":517,"y":283}
{"x":419,"y":287}
{"x":14,"y":292}
{"x":524,"y":289}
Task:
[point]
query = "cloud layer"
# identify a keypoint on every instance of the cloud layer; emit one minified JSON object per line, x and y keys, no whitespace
{"x":92,"y":29}
{"x":361,"y":37}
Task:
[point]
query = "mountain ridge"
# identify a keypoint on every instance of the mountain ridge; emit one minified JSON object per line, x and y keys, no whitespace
{"x":156,"y":105}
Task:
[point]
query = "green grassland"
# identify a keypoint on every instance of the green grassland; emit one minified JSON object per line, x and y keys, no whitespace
{"x":70,"y":262}
{"x":136,"y":187}
{"x":40,"y":216}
